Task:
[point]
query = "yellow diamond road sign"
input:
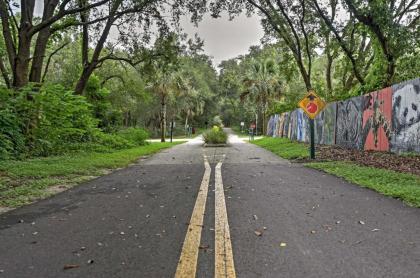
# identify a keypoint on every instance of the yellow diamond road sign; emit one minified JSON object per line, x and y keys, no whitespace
{"x":312,"y":104}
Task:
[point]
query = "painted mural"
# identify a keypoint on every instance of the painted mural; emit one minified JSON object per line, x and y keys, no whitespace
{"x":319,"y":123}
{"x":406,"y":117}
{"x":292,"y":135}
{"x":306,"y":128}
{"x":384,"y":120}
{"x":329,"y":124}
{"x":349,"y":123}
{"x":286,"y":124}
{"x":300,"y":125}
{"x":276,"y":125}
{"x":377,"y":116}
{"x":280,"y":126}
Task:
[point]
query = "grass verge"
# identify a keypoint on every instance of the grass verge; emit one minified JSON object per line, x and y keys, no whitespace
{"x":390,"y":183}
{"x":22,"y":182}
{"x":283,"y":147}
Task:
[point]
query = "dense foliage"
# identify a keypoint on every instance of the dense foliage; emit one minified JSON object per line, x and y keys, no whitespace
{"x":52,"y":120}
{"x":101,"y":74}
{"x":215,"y":135}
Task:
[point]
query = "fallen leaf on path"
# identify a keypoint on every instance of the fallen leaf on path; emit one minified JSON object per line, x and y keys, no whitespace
{"x":70,"y":266}
{"x":258,"y":233}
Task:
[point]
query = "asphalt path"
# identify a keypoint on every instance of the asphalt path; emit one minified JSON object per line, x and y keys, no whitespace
{"x":284,"y":220}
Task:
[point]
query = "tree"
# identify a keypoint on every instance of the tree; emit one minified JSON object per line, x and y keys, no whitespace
{"x":19,"y":32}
{"x":262,"y":84}
{"x":291,"y":21}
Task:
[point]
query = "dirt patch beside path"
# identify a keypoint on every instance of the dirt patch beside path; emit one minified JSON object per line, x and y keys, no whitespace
{"x":400,"y":163}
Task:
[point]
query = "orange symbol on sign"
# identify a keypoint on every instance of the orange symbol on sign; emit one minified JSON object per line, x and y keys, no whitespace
{"x":312,"y":104}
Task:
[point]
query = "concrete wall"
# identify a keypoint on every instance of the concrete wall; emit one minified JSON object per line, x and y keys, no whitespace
{"x":384,"y":120}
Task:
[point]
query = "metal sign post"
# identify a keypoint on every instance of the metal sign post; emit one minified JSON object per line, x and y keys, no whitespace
{"x":172,"y":129}
{"x":312,"y":127}
{"x":312,"y":105}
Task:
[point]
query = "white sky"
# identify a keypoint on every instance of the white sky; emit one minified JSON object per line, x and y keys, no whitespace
{"x":223,"y":39}
{"x":226,"y":39}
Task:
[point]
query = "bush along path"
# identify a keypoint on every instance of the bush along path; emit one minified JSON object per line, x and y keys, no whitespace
{"x":22,"y":182}
{"x":392,"y":175}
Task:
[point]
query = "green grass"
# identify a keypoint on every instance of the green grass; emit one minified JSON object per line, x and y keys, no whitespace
{"x":399,"y":185}
{"x":22,"y":182}
{"x":390,"y":183}
{"x":283,"y":147}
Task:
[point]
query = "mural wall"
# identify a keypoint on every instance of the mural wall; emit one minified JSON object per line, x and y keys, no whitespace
{"x":281,"y":125}
{"x":377,"y":116}
{"x":349,"y":123}
{"x":385,"y":120}
{"x":325,"y":125}
{"x":286,"y":124}
{"x":292,"y":134}
{"x":301,"y":129}
{"x":406,"y":117}
{"x":276,"y":125}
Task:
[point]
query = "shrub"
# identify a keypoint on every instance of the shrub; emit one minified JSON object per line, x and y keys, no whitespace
{"x":12,"y":141}
{"x":61,"y":120}
{"x":137,"y":136}
{"x":215,"y":136}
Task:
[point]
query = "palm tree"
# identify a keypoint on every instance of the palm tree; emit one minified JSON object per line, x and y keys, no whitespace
{"x":262,"y":84}
{"x":166,"y":84}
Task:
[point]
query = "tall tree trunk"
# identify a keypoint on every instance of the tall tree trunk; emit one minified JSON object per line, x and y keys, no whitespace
{"x":89,"y":67}
{"x":163,"y":119}
{"x":328,"y":73}
{"x":390,"y":70}
{"x":84,"y":78}
{"x":39,"y":55}
{"x":42,"y":42}
{"x":264,"y":127}
{"x":21,"y":69}
{"x":186,"y":121}
{"x":4,"y":73}
{"x":23,"y":54}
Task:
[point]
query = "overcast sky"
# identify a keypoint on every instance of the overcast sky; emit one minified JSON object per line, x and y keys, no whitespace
{"x":226,"y":39}
{"x":223,"y":39}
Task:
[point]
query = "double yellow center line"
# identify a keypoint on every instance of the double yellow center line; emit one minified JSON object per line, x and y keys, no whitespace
{"x":224,"y":266}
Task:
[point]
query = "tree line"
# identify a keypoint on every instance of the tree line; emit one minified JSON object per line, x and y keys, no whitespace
{"x":80,"y":71}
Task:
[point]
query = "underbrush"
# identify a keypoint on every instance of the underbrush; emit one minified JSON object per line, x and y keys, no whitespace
{"x":47,"y":121}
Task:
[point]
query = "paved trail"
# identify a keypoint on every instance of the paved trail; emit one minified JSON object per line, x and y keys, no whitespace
{"x":198,"y":210}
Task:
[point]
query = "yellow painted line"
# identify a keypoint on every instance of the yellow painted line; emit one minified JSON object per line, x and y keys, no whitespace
{"x":224,"y":266}
{"x":187,"y":264}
